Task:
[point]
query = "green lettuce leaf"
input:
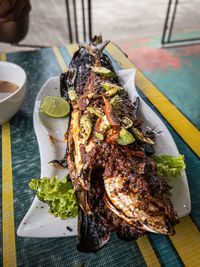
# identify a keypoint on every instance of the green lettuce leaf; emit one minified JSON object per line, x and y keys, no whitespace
{"x":169,"y":166}
{"x":59,"y":195}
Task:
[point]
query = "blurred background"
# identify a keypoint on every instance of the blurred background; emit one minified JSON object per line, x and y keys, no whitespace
{"x":137,"y":27}
{"x":117,"y":20}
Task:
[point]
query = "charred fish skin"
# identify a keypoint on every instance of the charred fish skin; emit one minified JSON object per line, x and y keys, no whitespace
{"x":115,"y":182}
{"x":92,"y":235}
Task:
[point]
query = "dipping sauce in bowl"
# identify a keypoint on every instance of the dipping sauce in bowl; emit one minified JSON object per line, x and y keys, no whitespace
{"x":12,"y":90}
{"x":7,"y":88}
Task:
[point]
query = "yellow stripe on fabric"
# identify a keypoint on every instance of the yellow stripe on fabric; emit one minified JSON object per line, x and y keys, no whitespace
{"x":2,"y":57}
{"x":147,"y":252}
{"x":60,"y":59}
{"x":8,"y":225}
{"x":187,"y":242}
{"x":143,"y":243}
{"x":9,"y":248}
{"x":72,"y":48}
{"x":187,"y":237}
{"x":175,"y":118}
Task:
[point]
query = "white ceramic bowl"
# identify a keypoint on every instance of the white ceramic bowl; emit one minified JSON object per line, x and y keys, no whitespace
{"x":10,"y":105}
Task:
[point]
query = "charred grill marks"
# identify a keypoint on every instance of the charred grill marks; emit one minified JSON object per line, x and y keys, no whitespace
{"x":117,"y":185}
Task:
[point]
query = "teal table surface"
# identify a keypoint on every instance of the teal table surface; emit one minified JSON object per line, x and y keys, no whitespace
{"x":152,"y":250}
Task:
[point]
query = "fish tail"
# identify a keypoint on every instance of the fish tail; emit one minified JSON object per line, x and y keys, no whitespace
{"x":92,"y":235}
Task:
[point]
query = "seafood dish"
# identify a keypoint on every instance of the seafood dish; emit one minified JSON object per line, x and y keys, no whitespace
{"x":109,"y":156}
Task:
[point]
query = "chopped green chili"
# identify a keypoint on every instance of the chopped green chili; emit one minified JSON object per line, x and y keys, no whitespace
{"x":141,"y":137}
{"x":125,"y":137}
{"x":96,"y":111}
{"x":103,"y":71}
{"x":85,"y":127}
{"x":126,"y":122}
{"x":72,"y":95}
{"x":99,"y":136}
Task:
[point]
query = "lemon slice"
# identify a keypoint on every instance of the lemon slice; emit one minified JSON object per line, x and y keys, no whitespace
{"x":55,"y":106}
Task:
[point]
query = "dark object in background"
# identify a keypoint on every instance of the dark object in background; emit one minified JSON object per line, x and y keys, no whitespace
{"x":86,"y":5}
{"x":168,"y":30}
{"x":14,"y":31}
{"x":14,"y":20}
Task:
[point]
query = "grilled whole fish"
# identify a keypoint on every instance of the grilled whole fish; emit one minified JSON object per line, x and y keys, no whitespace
{"x":114,"y":178}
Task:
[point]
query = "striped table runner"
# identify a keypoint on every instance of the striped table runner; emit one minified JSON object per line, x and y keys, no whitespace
{"x":20,"y":162}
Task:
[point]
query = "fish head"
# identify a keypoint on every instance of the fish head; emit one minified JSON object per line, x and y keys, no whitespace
{"x":138,"y":208}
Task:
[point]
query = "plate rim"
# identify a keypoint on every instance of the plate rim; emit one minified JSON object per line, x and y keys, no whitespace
{"x":20,"y":230}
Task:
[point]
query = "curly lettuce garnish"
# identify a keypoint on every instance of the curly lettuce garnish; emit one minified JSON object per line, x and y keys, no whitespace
{"x":169,"y":166}
{"x":58,"y":194}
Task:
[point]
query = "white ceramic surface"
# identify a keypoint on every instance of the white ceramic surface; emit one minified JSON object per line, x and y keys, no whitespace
{"x":38,"y":222}
{"x":10,"y":105}
{"x":164,"y":144}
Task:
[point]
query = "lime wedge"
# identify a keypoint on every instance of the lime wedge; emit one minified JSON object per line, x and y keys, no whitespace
{"x":55,"y":106}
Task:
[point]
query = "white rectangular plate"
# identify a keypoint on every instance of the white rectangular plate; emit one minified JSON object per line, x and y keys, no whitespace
{"x":38,"y":222}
